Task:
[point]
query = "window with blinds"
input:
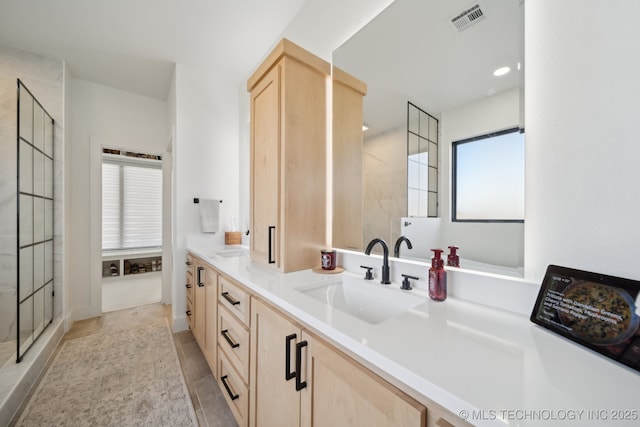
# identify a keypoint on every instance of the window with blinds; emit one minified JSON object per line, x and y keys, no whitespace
{"x":131,"y":202}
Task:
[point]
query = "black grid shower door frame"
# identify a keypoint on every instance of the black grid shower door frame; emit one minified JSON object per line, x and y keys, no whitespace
{"x":47,"y":282}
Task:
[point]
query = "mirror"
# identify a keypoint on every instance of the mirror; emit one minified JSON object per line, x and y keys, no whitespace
{"x":439,"y":56}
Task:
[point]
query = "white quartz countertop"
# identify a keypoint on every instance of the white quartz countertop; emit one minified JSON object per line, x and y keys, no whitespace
{"x":488,"y":366}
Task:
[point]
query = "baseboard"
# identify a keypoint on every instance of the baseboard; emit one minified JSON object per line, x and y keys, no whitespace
{"x":179,"y":324}
{"x":81,"y":313}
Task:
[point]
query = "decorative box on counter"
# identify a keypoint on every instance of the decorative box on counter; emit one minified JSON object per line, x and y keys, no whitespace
{"x":232,"y":238}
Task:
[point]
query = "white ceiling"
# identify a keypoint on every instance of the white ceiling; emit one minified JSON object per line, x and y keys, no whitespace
{"x":411,"y":52}
{"x":133,"y":45}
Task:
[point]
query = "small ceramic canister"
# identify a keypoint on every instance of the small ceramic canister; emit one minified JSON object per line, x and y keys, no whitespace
{"x":328,"y":259}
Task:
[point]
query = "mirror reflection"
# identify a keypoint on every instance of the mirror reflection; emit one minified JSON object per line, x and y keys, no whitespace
{"x":439,"y":56}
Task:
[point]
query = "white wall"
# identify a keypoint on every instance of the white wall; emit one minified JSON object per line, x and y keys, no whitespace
{"x":582,"y":173}
{"x":493,"y":243}
{"x":101,"y":116}
{"x":206,"y":163}
{"x":168,"y":181}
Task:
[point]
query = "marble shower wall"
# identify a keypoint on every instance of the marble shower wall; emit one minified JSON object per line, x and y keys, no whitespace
{"x":385,"y":185}
{"x":44,"y":78}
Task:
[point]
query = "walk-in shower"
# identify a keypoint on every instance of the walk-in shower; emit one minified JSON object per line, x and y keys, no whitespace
{"x":34,"y":221}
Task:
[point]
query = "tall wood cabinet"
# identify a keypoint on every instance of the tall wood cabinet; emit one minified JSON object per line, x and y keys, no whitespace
{"x":288,"y":94}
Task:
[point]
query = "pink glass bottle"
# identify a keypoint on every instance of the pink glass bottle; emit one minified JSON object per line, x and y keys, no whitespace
{"x":437,"y":277}
{"x":453,"y":260}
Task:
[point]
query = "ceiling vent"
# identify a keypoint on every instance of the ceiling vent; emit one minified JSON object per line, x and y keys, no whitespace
{"x":472,"y":15}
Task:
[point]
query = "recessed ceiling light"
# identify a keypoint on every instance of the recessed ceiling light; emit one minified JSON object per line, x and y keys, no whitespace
{"x":364,"y":127}
{"x":501,"y":71}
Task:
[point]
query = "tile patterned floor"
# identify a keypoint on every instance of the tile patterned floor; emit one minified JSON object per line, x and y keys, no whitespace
{"x":211,"y":408}
{"x":208,"y":401}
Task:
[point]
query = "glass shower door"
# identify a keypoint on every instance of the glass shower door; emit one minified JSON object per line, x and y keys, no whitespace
{"x":35,"y":219}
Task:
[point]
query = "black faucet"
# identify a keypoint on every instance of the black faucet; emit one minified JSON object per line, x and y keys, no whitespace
{"x":396,"y":249}
{"x":385,"y":263}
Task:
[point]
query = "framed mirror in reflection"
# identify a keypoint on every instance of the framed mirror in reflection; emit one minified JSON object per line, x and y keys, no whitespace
{"x":440,"y":57}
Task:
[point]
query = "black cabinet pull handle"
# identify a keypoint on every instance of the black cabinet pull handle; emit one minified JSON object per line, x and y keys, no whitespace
{"x":271,"y":239}
{"x":224,"y":382}
{"x":226,"y":336}
{"x":200,"y":284}
{"x":188,"y":262}
{"x":231,"y":300}
{"x":299,"y":384}
{"x":188,"y":313}
{"x":287,"y":354}
{"x":188,"y":286}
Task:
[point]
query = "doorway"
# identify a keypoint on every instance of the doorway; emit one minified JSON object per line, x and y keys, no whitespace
{"x":132,"y":191}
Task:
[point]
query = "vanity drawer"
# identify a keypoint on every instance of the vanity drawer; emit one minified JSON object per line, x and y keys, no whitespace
{"x":233,"y":339}
{"x":235,"y":298}
{"x":234,"y":390}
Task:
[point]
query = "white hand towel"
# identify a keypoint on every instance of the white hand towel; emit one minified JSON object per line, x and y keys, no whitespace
{"x":209,"y":215}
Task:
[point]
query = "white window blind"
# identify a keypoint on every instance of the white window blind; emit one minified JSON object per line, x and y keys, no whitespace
{"x":131,"y":203}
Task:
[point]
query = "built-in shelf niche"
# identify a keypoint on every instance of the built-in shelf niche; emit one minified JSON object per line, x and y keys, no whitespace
{"x":125,"y":265}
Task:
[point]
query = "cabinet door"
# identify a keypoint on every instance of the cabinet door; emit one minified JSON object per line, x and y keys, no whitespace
{"x":199,"y":304}
{"x":273,"y":399}
{"x":265,"y":166}
{"x":341,"y":392}
{"x":211,"y":318}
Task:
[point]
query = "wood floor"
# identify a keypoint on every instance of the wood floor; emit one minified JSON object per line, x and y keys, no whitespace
{"x":208,"y":401}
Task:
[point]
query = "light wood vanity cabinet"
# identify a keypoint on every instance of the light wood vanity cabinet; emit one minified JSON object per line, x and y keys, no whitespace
{"x":274,"y":372}
{"x":299,"y":380}
{"x":288,"y":158}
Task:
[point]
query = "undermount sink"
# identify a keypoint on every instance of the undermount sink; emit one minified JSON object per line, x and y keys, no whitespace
{"x":367,"y":300}
{"x":232,"y":252}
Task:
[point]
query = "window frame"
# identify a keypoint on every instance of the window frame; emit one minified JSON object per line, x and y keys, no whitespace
{"x":122,"y":160}
{"x":454,"y":175}
{"x":415,"y":129}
